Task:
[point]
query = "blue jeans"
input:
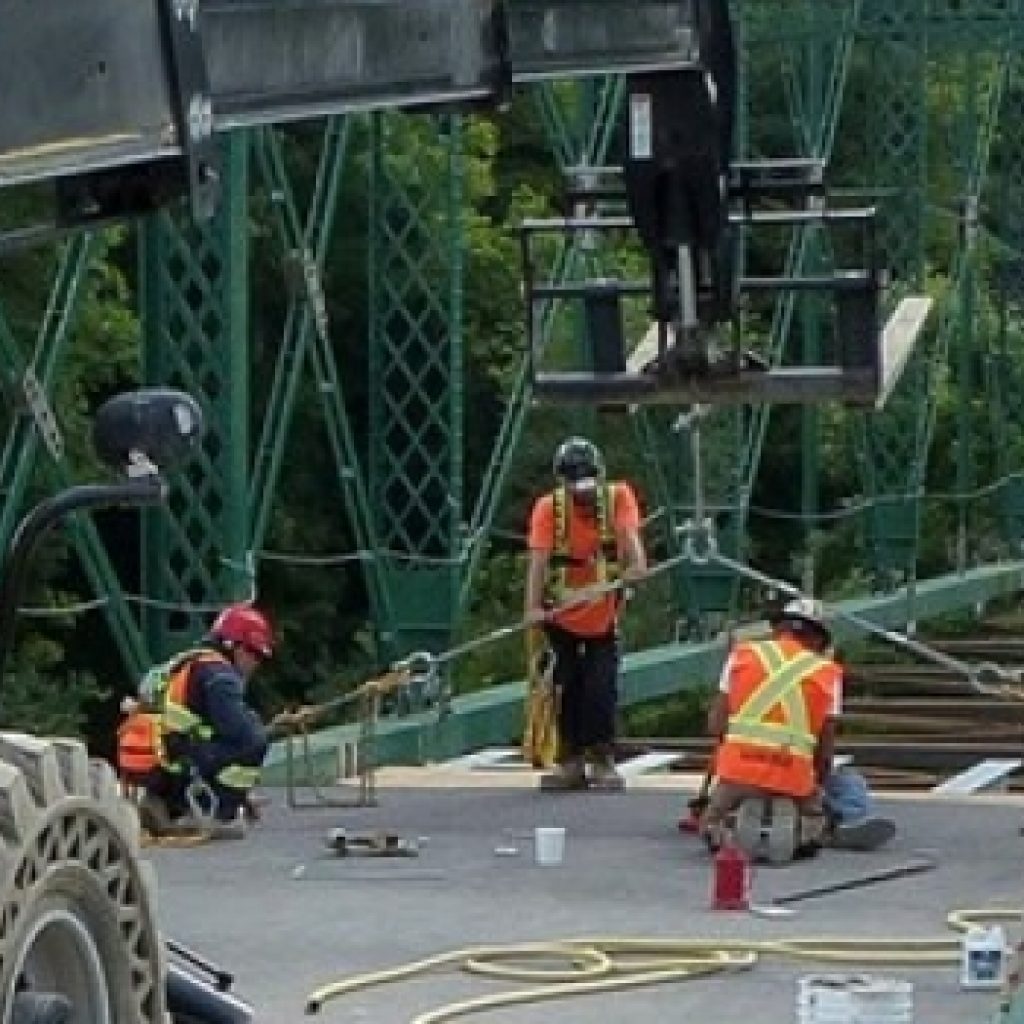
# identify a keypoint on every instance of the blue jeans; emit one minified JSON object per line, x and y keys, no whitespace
{"x":846,"y":796}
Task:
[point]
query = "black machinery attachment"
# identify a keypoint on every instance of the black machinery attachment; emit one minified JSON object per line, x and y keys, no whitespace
{"x":672,"y":335}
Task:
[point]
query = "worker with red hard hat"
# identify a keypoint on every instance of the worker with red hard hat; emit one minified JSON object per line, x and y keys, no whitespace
{"x":208,"y":731}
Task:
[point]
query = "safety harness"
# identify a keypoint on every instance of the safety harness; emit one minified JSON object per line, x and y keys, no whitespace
{"x":178,"y":719}
{"x":176,"y":716}
{"x":781,"y":686}
{"x":604,"y":561}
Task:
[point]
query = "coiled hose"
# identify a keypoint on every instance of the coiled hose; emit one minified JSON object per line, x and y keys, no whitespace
{"x":580,"y":966}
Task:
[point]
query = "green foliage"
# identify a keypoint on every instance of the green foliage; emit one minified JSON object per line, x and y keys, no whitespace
{"x":684,"y":714}
{"x":40,"y":695}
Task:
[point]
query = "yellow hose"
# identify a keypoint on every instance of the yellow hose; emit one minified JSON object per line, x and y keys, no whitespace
{"x":572,"y":967}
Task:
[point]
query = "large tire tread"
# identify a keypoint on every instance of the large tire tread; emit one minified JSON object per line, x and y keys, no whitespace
{"x":67,"y":837}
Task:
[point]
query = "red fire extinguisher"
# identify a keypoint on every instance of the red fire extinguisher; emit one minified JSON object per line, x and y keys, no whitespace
{"x":731,"y":882}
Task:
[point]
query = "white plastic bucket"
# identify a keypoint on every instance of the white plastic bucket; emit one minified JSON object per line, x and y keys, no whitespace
{"x":549,"y":846}
{"x":854,"y":999}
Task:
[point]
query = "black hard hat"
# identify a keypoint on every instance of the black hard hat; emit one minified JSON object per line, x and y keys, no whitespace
{"x":578,"y":459}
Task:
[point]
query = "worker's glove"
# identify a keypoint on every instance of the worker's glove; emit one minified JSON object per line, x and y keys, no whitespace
{"x":697,"y":806}
{"x":292,"y":720}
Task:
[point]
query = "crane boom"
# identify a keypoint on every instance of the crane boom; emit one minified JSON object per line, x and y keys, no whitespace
{"x":110,"y":83}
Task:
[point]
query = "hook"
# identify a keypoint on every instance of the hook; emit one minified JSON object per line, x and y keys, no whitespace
{"x":418,"y":663}
{"x":701,"y":544}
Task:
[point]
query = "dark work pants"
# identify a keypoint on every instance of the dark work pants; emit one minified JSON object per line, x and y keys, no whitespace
{"x":586,"y":678}
{"x":207,"y":759}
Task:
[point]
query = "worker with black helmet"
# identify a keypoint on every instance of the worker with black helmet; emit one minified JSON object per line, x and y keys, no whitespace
{"x":583,"y":534}
{"x":775,"y":716}
{"x":208,"y":732}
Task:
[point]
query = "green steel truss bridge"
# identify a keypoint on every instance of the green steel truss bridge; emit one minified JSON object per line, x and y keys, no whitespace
{"x":165,"y":98}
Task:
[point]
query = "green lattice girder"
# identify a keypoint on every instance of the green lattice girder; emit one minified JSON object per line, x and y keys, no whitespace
{"x":306,"y":344}
{"x":415,"y":282}
{"x":887,"y":48}
{"x":974,"y":41}
{"x":194,"y":303}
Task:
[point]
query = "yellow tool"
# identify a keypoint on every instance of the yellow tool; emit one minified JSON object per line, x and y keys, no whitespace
{"x":540,"y":733}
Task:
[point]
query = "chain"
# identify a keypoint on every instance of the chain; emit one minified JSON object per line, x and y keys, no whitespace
{"x":700,"y":547}
{"x":425,"y":663}
{"x":973,"y":673}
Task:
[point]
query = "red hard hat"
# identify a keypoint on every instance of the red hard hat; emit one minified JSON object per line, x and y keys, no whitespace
{"x":243,"y":626}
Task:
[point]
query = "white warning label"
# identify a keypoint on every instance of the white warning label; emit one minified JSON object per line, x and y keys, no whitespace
{"x":641,"y":146}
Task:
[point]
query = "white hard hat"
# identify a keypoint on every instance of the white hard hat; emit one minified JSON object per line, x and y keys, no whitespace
{"x":803,"y":609}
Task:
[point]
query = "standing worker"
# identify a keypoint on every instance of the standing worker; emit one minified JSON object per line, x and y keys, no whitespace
{"x":208,"y":731}
{"x":776,"y":713}
{"x":585,"y":533}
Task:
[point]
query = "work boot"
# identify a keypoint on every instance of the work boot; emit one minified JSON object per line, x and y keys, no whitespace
{"x":155,"y":816}
{"x":864,"y":834}
{"x":605,"y":776}
{"x":230,"y":828}
{"x":569,"y":774}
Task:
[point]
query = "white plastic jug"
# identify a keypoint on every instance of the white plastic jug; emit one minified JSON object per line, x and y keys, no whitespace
{"x":983,"y":958}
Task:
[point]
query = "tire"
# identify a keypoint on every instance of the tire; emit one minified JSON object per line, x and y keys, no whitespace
{"x":77,"y":906}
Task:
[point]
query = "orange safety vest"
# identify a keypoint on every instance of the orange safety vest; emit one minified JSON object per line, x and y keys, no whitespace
{"x":138,"y":744}
{"x":176,"y":715}
{"x":779,"y":697}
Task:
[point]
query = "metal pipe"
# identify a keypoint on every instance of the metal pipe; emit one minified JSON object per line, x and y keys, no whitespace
{"x":149,"y":490}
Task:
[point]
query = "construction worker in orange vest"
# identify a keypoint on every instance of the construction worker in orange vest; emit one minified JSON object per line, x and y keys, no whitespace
{"x":586,"y":532}
{"x":775,"y":712}
{"x":208,"y":731}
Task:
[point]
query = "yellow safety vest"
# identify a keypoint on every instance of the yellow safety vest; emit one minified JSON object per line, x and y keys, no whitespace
{"x":605,"y":559}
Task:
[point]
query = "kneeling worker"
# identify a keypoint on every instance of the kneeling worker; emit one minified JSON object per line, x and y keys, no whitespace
{"x":208,"y":731}
{"x":776,"y":711}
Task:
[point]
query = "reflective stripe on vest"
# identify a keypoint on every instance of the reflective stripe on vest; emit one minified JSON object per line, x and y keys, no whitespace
{"x":604,"y":560}
{"x":238,"y":776}
{"x":780,"y":686}
{"x":177,"y":717}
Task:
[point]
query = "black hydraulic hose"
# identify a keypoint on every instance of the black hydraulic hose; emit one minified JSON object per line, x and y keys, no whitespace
{"x":222,"y":979}
{"x":190,"y":1000}
{"x":148,"y":490}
